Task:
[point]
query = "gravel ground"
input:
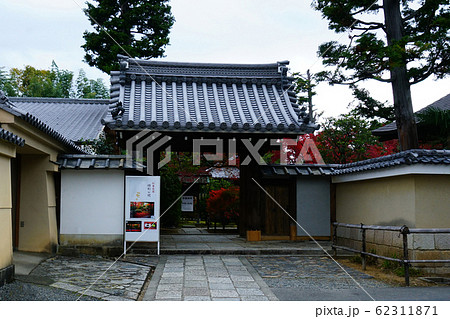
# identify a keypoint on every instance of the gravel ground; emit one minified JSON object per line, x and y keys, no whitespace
{"x":309,"y":273}
{"x":24,"y":291}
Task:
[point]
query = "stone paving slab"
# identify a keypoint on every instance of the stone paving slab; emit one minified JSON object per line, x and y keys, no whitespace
{"x":98,"y":277}
{"x":225,"y":278}
{"x":25,"y":262}
{"x":196,"y":283}
{"x":232,"y":244}
{"x":197,"y":298}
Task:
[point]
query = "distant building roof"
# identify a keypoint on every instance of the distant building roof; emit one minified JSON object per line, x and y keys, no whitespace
{"x":390,"y":130}
{"x":206,"y":97}
{"x":227,"y":172}
{"x":76,"y":119}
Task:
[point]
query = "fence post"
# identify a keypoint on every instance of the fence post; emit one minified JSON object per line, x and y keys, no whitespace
{"x":363,"y":248}
{"x":334,"y":240}
{"x":405,"y":232}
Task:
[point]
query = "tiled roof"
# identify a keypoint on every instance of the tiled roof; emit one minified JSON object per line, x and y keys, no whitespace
{"x":9,"y":107}
{"x":207,"y":97}
{"x":391,"y":128}
{"x":76,"y":161}
{"x":297,"y":170}
{"x":403,"y":158}
{"x":10,"y":137}
{"x":76,"y":119}
{"x":409,"y":157}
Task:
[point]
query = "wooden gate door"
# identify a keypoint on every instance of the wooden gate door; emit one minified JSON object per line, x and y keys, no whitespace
{"x":276,"y":222}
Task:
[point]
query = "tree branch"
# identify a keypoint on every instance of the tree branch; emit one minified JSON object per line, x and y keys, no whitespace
{"x":370,"y":23}
{"x":363,"y":79}
{"x":412,"y":15}
{"x":372,"y":7}
{"x":424,"y":75}
{"x":369,"y":28}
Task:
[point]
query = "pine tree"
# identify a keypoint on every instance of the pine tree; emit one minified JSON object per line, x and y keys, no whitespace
{"x":406,"y":44}
{"x":138,"y":28}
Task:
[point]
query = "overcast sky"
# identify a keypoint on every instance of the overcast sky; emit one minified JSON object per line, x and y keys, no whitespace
{"x":35,"y":32}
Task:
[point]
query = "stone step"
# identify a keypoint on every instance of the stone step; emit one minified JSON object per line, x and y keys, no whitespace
{"x":266,"y":251}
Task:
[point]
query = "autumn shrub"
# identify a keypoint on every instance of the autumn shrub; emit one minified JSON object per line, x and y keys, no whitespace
{"x":223,"y":205}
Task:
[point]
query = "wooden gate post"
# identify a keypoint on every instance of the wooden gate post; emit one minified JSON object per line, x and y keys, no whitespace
{"x":405,"y":232}
{"x":334,"y":239}
{"x":363,"y":248}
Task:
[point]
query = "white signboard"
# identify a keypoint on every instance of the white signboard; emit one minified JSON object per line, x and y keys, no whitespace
{"x":142,"y":207}
{"x":187,"y":203}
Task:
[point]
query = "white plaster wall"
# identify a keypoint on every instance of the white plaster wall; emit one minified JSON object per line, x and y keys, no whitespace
{"x":313,"y":205}
{"x":92,"y":202}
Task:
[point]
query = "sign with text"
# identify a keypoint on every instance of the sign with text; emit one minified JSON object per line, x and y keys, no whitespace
{"x":187,"y":203}
{"x":142,"y":207}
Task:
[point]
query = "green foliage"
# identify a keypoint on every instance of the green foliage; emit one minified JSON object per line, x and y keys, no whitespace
{"x":5,"y":83}
{"x":31,"y":82}
{"x":435,"y":123}
{"x":170,"y":193}
{"x":370,"y":108}
{"x":101,"y":145}
{"x":182,"y":163}
{"x":413,"y":272}
{"x":424,"y":46}
{"x":398,"y":269}
{"x":391,"y":265}
{"x":61,"y":81}
{"x":218,"y":183}
{"x":356,"y":258}
{"x":88,"y":88}
{"x":408,"y":46}
{"x":139,"y":28}
{"x":40,"y":83}
{"x":370,"y":260}
{"x":303,"y":87}
{"x":345,"y":139}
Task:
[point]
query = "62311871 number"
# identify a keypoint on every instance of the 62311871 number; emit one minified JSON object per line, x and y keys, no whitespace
{"x":406,"y":311}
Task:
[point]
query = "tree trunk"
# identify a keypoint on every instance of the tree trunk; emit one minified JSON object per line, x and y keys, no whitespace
{"x":406,"y":125}
{"x":310,"y":105}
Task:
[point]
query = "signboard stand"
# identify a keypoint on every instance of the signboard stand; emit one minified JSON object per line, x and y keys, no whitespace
{"x":187,"y":203}
{"x":142,"y":209}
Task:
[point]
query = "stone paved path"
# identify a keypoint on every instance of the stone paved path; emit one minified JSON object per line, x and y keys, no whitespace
{"x":123,"y":281}
{"x":233,"y":244}
{"x":206,"y":278}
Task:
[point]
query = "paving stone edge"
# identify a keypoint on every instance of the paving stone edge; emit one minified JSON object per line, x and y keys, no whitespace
{"x":264,"y":288}
{"x":150,"y":294}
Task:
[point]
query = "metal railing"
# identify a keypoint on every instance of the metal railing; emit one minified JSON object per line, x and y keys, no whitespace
{"x":403,"y":230}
